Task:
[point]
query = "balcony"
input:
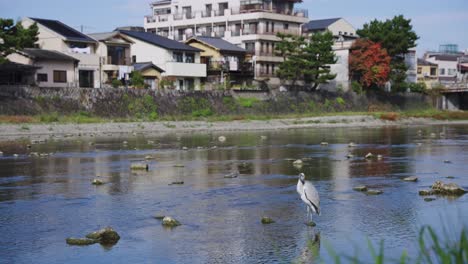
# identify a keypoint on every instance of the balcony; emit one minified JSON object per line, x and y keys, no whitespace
{"x":185,"y":69}
{"x":112,"y":60}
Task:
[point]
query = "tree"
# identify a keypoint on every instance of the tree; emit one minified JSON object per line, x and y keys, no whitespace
{"x":137,"y":79}
{"x":14,"y":37}
{"x":318,"y":55}
{"x":369,"y":63}
{"x":306,"y":59}
{"x":397,"y":37}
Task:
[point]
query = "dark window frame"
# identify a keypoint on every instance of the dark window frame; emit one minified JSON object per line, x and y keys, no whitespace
{"x":40,"y":77}
{"x":60,"y":76}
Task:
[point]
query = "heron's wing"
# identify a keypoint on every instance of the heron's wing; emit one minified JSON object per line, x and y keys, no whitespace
{"x":312,"y":193}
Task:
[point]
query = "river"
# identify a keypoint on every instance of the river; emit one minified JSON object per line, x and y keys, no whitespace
{"x":44,"y":200}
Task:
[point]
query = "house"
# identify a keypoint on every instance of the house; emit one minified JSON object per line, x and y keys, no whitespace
{"x":54,"y":35}
{"x":179,"y":61}
{"x":13,"y":73}
{"x":224,"y":60}
{"x":251,"y":25}
{"x":114,"y":49}
{"x":150,"y":72}
{"x":448,"y":64}
{"x":344,"y":34}
{"x":340,"y":28}
{"x":54,"y":69}
{"x":428,"y":73}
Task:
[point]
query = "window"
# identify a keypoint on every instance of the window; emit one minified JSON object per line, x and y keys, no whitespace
{"x":433,"y":71}
{"x":189,"y":58}
{"x":452,"y":71}
{"x":419,"y":70}
{"x":134,"y":60}
{"x":60,"y":76}
{"x":267,"y":27}
{"x":42,"y":77}
{"x":178,"y":57}
{"x":273,"y":27}
{"x":286,"y":26}
{"x":442,"y":71}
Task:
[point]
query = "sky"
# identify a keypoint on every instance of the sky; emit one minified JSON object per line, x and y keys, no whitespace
{"x":435,"y":21}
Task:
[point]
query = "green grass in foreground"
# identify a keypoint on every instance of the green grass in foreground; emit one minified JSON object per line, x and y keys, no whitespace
{"x":433,"y":249}
{"x":86,"y":118}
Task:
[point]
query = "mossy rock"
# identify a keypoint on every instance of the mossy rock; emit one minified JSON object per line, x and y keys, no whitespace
{"x":106,"y":236}
{"x":425,"y":192}
{"x":170,"y":222}
{"x":429,"y":199}
{"x":140,"y":166}
{"x":360,"y":188}
{"x":449,"y":189}
{"x":311,"y":224}
{"x":80,"y":241}
{"x":267,"y":221}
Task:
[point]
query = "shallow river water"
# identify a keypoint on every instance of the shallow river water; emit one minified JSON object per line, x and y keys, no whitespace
{"x":45,"y":200}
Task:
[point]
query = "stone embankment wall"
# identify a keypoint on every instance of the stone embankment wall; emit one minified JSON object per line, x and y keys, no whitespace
{"x":27,"y":100}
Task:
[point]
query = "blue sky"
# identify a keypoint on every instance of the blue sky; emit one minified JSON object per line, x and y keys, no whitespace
{"x":435,"y":21}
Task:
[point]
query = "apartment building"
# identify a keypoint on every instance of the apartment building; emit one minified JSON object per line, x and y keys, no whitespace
{"x":428,"y":73}
{"x":249,"y":24}
{"x":56,"y":36}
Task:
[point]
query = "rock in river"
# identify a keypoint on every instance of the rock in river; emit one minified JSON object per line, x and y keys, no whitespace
{"x":298,"y":162}
{"x":97,"y":182}
{"x":80,"y":241}
{"x":106,"y":236}
{"x":267,"y":221}
{"x":447,"y":189}
{"x":369,"y":156}
{"x":374,"y":192}
{"x":411,"y":179}
{"x":360,"y":188}
{"x":170,"y":222}
{"x":139,"y":166}
{"x":425,"y":192}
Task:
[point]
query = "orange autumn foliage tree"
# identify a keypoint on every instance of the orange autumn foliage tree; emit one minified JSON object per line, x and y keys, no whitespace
{"x":369,"y":63}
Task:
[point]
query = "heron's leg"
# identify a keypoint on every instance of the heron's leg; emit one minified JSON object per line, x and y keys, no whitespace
{"x":308,"y":212}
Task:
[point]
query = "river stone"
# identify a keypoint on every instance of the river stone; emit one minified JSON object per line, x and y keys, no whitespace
{"x":222,"y":139}
{"x":447,"y":162}
{"x":360,"y":188}
{"x":170,"y":222}
{"x":148,"y":157}
{"x":80,"y":241}
{"x":429,"y":199}
{"x":232,"y":175}
{"x":263,"y":137}
{"x":324,"y":143}
{"x":451,"y":177}
{"x":298,"y":162}
{"x":350,"y":156}
{"x":425,"y":192}
{"x":447,"y":189}
{"x":139,"y":166}
{"x":267,"y":220}
{"x":379,"y":157}
{"x":369,"y":156}
{"x":352,"y":145}
{"x":411,"y":179}
{"x":106,"y":236}
{"x":374,"y":192}
{"x":97,"y":182}
{"x":185,"y":148}
{"x":311,"y":224}
{"x":177,"y":183}
{"x":1,"y":153}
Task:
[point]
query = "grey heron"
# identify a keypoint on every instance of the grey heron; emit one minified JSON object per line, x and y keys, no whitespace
{"x":309,"y":196}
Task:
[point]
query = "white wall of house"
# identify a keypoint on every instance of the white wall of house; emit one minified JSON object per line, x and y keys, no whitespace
{"x":342,"y":26}
{"x":445,"y":67}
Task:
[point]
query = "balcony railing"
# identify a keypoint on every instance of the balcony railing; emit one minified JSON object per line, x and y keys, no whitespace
{"x":109,"y":60}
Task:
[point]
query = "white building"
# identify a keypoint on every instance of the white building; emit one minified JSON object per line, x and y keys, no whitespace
{"x":448,"y":65}
{"x":339,"y":27}
{"x":250,"y":24}
{"x":54,"y":69}
{"x":54,"y":35}
{"x":178,"y":60}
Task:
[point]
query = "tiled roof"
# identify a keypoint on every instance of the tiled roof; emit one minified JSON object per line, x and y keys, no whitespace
{"x":41,"y":54}
{"x":220,"y":44}
{"x":60,"y":28}
{"x":141,"y":66}
{"x":320,"y":24}
{"x":425,"y":63}
{"x":159,"y":41}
